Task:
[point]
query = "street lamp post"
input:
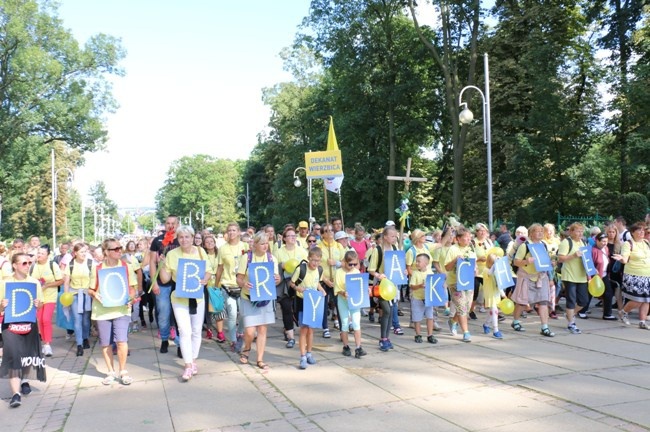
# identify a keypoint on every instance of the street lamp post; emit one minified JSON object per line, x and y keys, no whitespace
{"x":466,"y":117}
{"x":298,"y":183}
{"x":248,"y":208}
{"x":55,"y":195}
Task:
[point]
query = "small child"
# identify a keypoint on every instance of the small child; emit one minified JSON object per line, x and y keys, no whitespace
{"x":349,"y":265}
{"x":418,"y":309}
{"x":311,"y":281}
{"x":492,"y":295}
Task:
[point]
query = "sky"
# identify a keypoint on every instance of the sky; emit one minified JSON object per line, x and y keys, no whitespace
{"x":195,"y":70}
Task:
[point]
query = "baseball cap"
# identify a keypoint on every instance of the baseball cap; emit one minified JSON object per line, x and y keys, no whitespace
{"x":390,"y":223}
{"x":303,"y":224}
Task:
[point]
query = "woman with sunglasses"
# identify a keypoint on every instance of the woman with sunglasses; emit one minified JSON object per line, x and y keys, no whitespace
{"x":289,"y":251}
{"x":312,"y":242}
{"x":113,"y":321}
{"x":333,"y":253}
{"x":21,"y":340}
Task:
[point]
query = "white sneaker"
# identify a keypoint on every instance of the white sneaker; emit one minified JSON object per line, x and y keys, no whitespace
{"x":47,"y":350}
{"x":482,"y":309}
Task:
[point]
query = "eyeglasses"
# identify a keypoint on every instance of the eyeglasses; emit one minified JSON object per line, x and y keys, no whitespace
{"x":311,"y":241}
{"x":353,"y":264}
{"x":316,"y":228}
{"x":115,"y":249}
{"x":24,"y":263}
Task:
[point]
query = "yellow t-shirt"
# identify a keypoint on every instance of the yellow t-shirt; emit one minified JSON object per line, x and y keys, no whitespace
{"x":418,"y":278}
{"x":524,"y":253}
{"x":552,"y":245}
{"x":481,"y":248}
{"x":283,"y":255}
{"x":339,"y":280}
{"x":28,"y":279}
{"x":228,"y":257}
{"x":99,"y":311}
{"x":302,"y":242}
{"x":171,"y":263}
{"x":333,"y":250}
{"x":310,"y":281}
{"x":491,"y":292}
{"x":80,"y":277}
{"x":439,"y":255}
{"x":572,"y":270}
{"x":243,"y":268}
{"x":638,"y":257}
{"x":413,"y":252}
{"x":44,"y":271}
{"x":453,"y":254}
{"x":5,"y":267}
{"x":212,"y":260}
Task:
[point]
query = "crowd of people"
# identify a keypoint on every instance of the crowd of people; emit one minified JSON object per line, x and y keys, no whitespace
{"x":306,"y":257}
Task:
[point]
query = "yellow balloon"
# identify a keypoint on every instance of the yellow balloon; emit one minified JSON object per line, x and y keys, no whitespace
{"x":596,"y":286}
{"x":290,"y":266}
{"x":387,"y":289}
{"x":507,"y":306}
{"x":66,"y":299}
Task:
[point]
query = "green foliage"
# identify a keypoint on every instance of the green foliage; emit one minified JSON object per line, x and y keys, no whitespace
{"x":53,"y":91}
{"x":634,"y":207}
{"x":202,"y":191}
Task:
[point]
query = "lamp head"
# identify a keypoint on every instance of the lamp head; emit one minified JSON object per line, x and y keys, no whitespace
{"x":297,"y":182}
{"x":466,"y":116}
{"x":238,"y":204}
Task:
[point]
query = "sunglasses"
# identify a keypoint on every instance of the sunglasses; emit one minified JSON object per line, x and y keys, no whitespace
{"x":311,"y":241}
{"x":24,"y":263}
{"x":115,"y":249}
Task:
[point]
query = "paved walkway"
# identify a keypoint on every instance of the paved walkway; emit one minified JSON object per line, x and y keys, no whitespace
{"x":597,"y":381}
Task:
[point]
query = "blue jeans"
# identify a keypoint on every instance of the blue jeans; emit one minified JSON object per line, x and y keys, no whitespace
{"x":231,"y":306}
{"x":395,"y":317}
{"x":164,"y":311}
{"x":81,"y":321}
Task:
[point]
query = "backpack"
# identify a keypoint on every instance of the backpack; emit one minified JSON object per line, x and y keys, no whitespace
{"x":559,"y":264}
{"x":269,"y":258}
{"x":89,"y":263}
{"x":303,"y":272}
{"x":31,"y":268}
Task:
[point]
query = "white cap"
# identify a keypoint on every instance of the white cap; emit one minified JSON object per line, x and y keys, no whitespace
{"x":390,"y":223}
{"x":340,"y":235}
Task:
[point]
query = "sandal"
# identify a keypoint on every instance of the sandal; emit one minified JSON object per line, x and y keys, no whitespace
{"x":243,"y":358}
{"x":547,"y":332}
{"x":109,"y":379}
{"x":517,"y":327}
{"x":262,"y":365}
{"x":125,"y":379}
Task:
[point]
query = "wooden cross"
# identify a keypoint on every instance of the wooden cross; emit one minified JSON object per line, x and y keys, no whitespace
{"x":407,"y":182}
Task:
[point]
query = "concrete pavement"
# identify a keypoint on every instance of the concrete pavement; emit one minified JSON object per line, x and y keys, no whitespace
{"x":596,"y":381}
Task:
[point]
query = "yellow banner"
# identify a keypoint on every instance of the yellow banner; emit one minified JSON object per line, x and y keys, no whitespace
{"x":324,"y":164}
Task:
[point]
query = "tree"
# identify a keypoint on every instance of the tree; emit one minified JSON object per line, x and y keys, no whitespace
{"x":455,"y":41}
{"x":200,"y":189}
{"x":381,"y":90}
{"x":51,"y":90}
{"x":619,"y":20}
